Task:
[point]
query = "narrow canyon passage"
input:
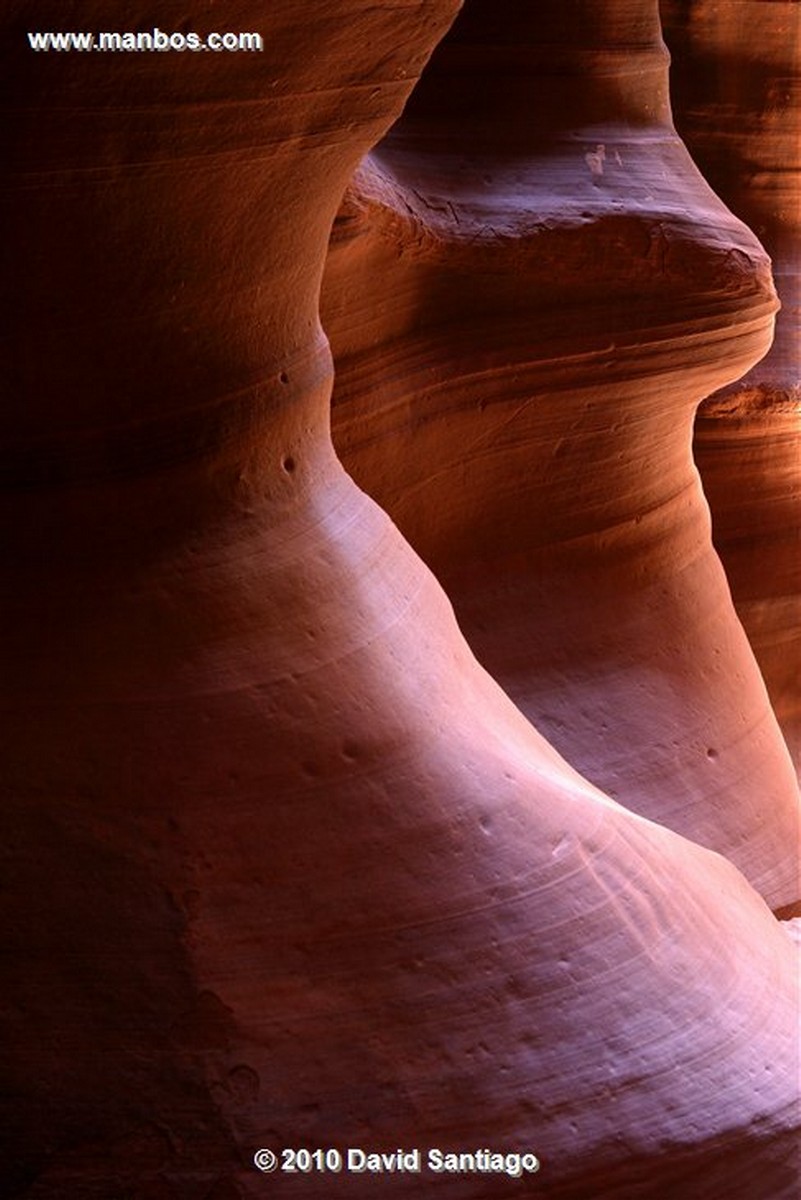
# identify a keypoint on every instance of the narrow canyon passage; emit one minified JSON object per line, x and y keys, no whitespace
{"x":284,"y":866}
{"x":530,"y":288}
{"x":736,"y":81}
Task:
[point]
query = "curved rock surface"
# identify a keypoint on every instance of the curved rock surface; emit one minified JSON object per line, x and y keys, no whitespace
{"x":284,"y":866}
{"x":529,"y":290}
{"x":736,"y":87}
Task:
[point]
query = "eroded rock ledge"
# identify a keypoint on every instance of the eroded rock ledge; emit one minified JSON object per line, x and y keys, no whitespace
{"x":284,"y":865}
{"x":529,"y":291}
{"x":736,"y":82}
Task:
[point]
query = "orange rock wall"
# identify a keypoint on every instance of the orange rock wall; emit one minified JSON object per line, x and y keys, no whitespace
{"x":530,"y":289}
{"x":284,"y":866}
{"x":736,"y":80}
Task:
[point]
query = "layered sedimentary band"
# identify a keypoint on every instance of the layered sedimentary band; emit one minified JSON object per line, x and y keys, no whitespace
{"x":285,"y":867}
{"x":525,"y":313}
{"x":735,"y":85}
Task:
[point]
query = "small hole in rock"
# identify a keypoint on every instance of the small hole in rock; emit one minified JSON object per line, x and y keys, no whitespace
{"x":288,"y":464}
{"x":711,"y":753}
{"x":284,"y":378}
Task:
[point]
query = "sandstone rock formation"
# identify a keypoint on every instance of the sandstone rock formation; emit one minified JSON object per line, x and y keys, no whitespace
{"x":736,"y":79}
{"x":529,"y":291}
{"x":284,"y":866}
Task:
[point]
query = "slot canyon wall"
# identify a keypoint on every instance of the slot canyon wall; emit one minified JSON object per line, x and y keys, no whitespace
{"x":530,"y":291}
{"x":735,"y":88}
{"x":291,"y":858}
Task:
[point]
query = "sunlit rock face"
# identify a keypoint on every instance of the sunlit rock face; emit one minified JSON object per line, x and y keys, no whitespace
{"x":283,"y":865}
{"x":529,"y":290}
{"x":736,"y":80}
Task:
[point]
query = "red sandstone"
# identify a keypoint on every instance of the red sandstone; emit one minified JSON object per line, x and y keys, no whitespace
{"x":529,"y":291}
{"x":285,"y":865}
{"x":735,"y":83}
